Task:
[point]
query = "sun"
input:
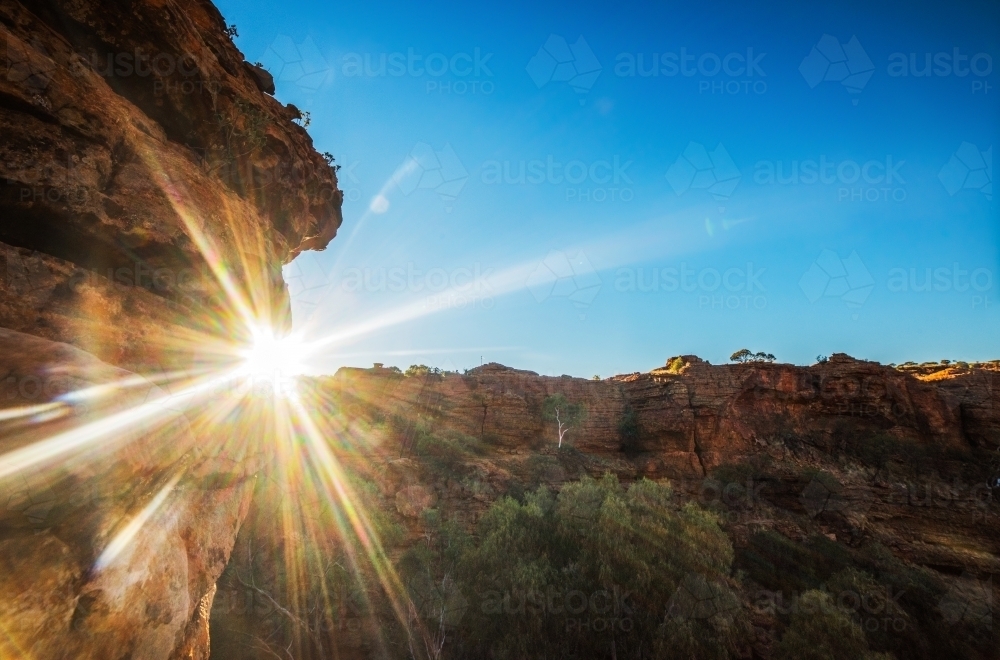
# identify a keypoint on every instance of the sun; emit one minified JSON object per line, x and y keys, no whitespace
{"x":273,"y":358}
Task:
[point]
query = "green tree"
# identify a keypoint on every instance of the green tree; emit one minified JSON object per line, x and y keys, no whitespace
{"x":437,"y":603}
{"x":600,"y":552}
{"x":745,"y":355}
{"x":566,"y":415}
{"x":517,"y":557}
{"x":742,"y":355}
{"x":819,"y":630}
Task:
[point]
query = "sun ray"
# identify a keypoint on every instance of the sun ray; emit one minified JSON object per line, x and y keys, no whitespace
{"x":43,"y":453}
{"x":612,"y":250}
{"x":358,"y":519}
{"x":28,"y":411}
{"x":127,"y":535}
{"x":203,"y":241}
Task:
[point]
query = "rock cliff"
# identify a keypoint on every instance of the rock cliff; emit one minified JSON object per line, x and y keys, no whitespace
{"x":691,"y":417}
{"x":152,"y":188}
{"x":139,"y":154}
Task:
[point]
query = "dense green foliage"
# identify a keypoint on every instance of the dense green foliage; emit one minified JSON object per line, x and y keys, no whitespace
{"x":596,"y":571}
{"x":898,"y":606}
{"x":822,"y":631}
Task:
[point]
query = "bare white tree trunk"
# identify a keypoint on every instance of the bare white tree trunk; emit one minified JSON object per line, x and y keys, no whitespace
{"x":562,"y":428}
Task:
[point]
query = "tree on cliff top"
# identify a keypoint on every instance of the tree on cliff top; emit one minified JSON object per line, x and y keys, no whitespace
{"x":566,"y":415}
{"x":420,"y":370}
{"x":744,"y":355}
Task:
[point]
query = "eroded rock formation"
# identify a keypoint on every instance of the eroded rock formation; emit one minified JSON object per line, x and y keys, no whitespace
{"x":693,"y":416}
{"x":139,"y":152}
{"x":689,"y":420}
{"x":149,"y":182}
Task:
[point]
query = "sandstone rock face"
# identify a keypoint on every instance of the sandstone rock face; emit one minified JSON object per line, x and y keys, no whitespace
{"x":139,"y":152}
{"x":111,"y":547}
{"x":412,"y":500}
{"x":689,"y":421}
{"x":695,"y":418}
{"x":149,"y":187}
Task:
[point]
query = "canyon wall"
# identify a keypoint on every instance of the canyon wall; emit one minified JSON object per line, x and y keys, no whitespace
{"x":691,"y":416}
{"x":697,"y":425}
{"x":839,"y":457}
{"x":152,"y":188}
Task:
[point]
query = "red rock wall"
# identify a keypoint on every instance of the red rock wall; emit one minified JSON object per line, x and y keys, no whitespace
{"x":138,"y":151}
{"x":119,"y":179}
{"x":700,"y":417}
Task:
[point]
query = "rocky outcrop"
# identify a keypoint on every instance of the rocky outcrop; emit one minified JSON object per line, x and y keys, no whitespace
{"x":152,"y":189}
{"x":692,"y":416}
{"x":110,"y":542}
{"x":691,"y":421}
{"x":142,"y":163}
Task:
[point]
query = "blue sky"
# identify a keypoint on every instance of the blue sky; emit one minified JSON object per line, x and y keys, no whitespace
{"x":517,"y":192}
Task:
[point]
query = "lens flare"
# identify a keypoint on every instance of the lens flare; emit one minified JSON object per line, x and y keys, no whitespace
{"x":270,"y":355}
{"x":274,"y":362}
